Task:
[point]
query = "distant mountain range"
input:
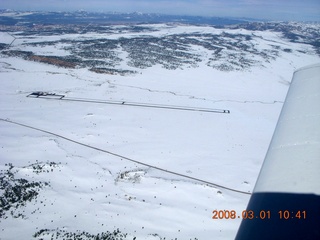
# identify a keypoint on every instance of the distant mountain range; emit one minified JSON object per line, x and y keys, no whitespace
{"x":231,"y":49}
{"x":9,"y":17}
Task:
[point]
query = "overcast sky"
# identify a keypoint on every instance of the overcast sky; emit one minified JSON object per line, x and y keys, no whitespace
{"x":299,"y":10}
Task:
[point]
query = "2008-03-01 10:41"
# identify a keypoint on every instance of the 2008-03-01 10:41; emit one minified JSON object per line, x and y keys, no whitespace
{"x":263,"y":214}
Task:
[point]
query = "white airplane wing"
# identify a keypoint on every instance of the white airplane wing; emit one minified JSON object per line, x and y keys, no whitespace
{"x":285,"y":203}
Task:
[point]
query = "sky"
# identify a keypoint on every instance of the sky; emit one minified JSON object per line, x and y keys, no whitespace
{"x":292,"y":10}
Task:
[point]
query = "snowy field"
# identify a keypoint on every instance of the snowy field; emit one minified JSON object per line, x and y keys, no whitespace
{"x":120,"y":182}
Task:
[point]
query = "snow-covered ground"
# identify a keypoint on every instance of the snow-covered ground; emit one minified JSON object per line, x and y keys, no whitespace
{"x":95,"y":191}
